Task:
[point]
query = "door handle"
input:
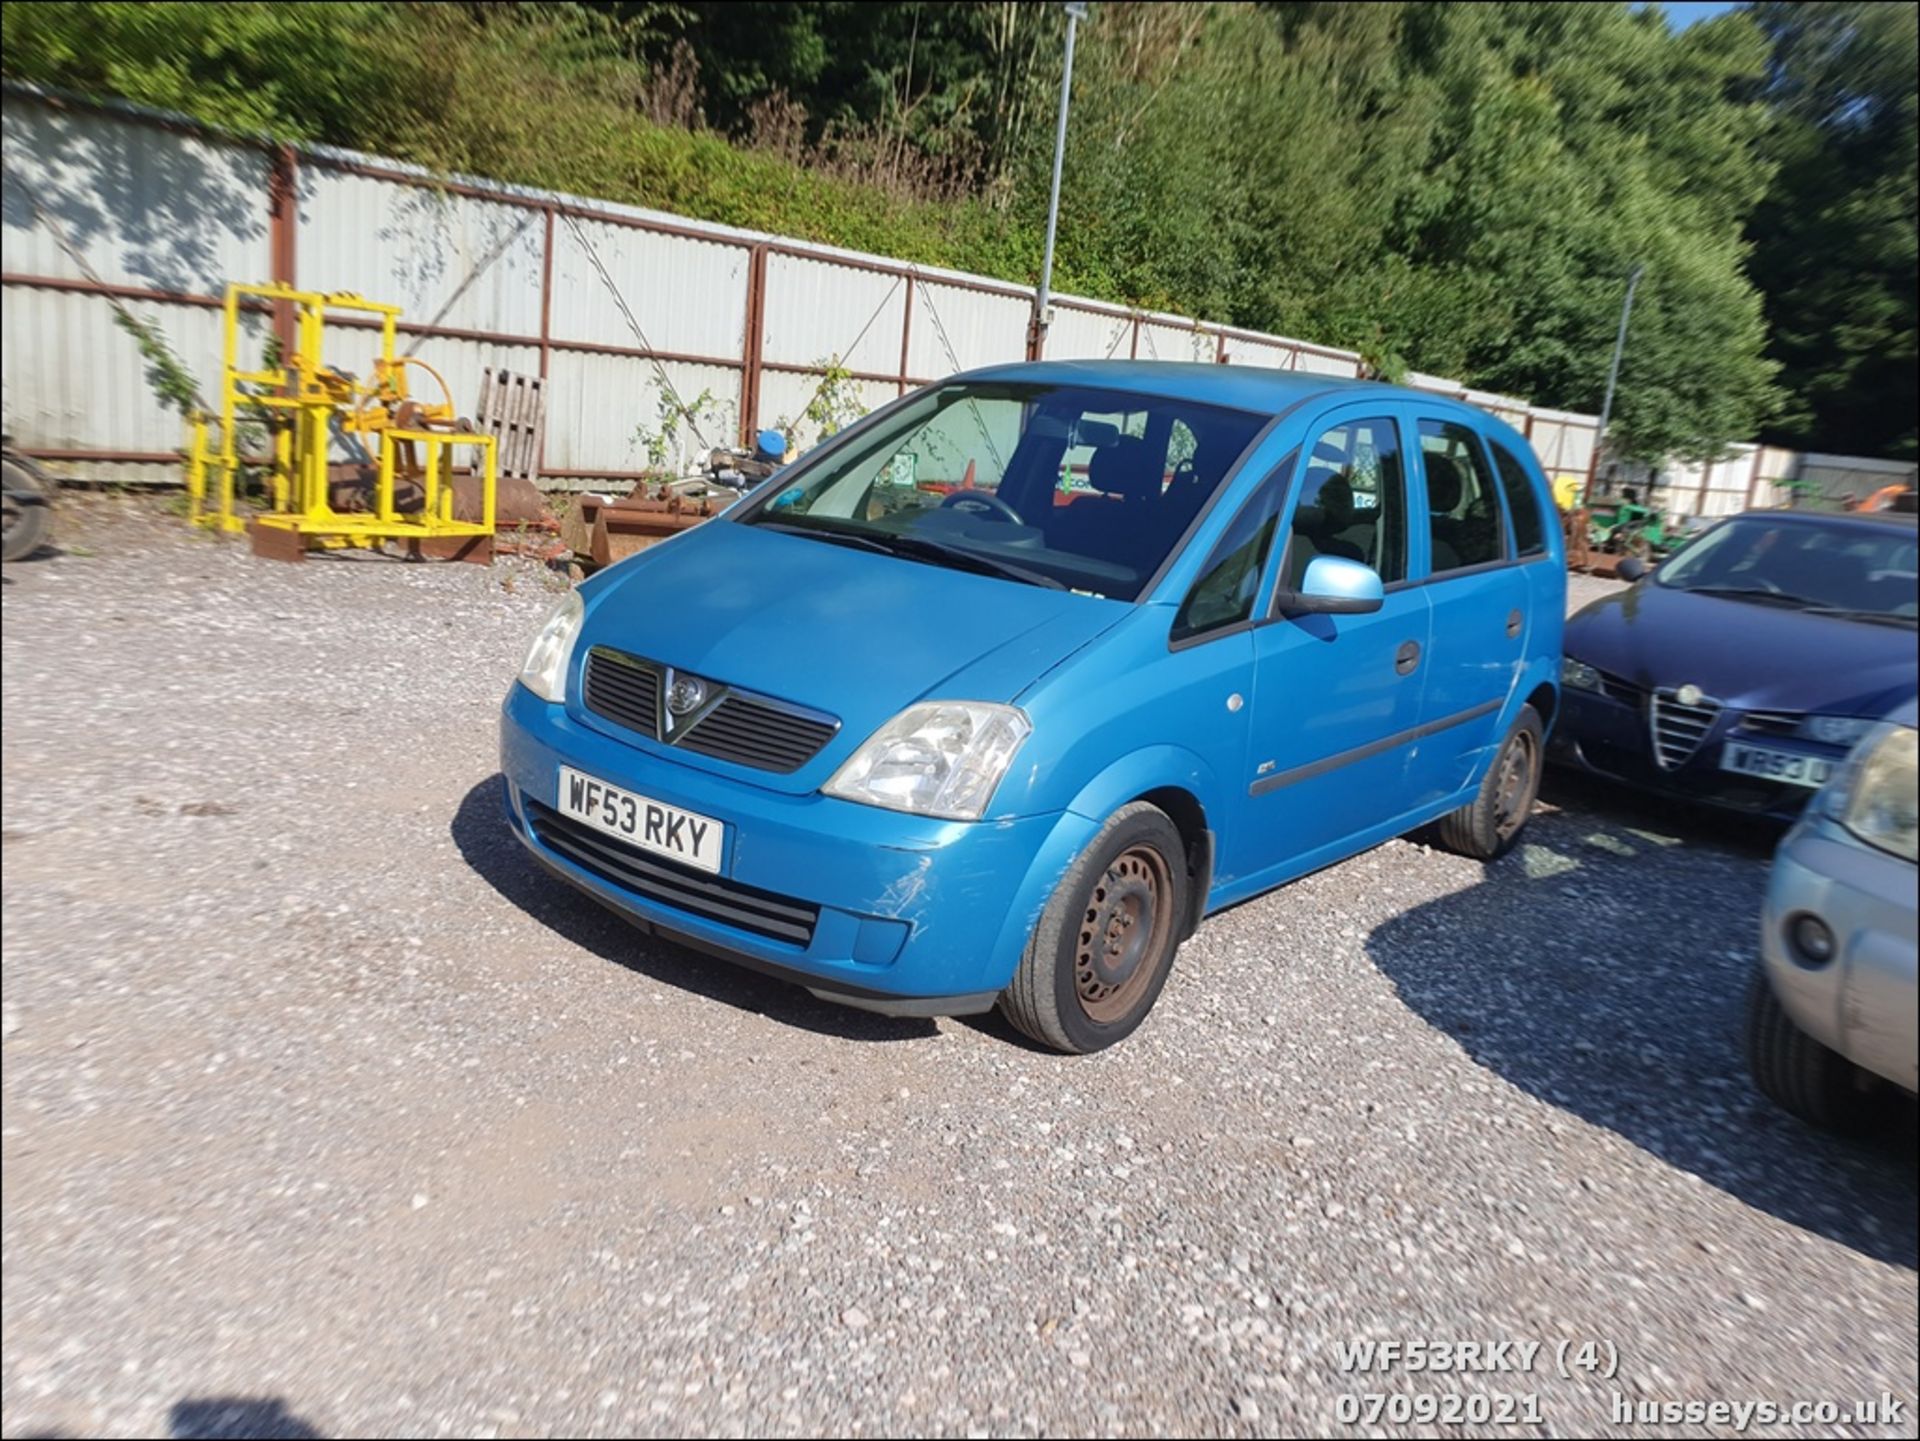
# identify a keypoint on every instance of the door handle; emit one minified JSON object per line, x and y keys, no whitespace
{"x":1514,"y":622}
{"x":1407,"y":658}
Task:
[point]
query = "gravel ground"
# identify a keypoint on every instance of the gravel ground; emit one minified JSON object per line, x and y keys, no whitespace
{"x":326,"y":1112}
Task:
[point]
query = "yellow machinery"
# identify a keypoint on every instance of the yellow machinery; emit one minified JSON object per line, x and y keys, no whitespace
{"x":306,"y":404}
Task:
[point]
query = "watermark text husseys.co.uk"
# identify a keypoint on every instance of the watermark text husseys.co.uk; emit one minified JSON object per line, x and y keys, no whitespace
{"x":1883,"y":1410}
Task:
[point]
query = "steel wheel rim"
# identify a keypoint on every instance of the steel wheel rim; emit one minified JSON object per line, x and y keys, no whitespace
{"x":1513,"y":796}
{"x":1123,"y":934}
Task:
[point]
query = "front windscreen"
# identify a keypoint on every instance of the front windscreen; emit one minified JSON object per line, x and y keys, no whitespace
{"x":1863,"y":572}
{"x":1071,"y":487}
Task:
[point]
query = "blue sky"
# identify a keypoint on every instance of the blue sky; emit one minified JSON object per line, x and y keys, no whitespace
{"x":1687,"y":12}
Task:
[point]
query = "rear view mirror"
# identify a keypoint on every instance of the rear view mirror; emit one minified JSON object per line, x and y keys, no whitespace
{"x":1335,"y":586}
{"x":1630,"y":568}
{"x":1096,"y":434}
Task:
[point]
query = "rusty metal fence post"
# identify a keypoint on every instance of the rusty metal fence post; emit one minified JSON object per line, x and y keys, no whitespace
{"x":283,"y":230}
{"x":754,"y":344}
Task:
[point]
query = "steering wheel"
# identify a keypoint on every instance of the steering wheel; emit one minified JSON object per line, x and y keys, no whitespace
{"x":981,"y":502}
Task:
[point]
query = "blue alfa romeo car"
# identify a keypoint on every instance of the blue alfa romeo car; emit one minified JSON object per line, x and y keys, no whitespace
{"x":994,"y":697}
{"x":1740,"y":672}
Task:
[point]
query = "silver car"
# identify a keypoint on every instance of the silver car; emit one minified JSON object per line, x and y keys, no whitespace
{"x":1830,"y":1022}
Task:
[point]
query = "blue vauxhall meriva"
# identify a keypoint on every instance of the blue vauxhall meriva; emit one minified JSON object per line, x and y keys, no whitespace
{"x":1000,"y":692}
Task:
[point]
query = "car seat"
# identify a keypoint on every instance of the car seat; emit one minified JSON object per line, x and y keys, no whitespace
{"x":1129,"y":480}
{"x":1445,"y":486}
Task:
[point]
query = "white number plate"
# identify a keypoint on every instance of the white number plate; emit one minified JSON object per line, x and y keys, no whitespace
{"x":1787,"y":767}
{"x":665,"y":830}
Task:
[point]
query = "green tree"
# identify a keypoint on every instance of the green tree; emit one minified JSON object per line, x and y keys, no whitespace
{"x":1457,"y":189}
{"x":1834,"y":242}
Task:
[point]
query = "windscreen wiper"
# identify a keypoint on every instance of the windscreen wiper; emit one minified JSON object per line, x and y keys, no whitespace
{"x":857,"y":539}
{"x":920,"y":546}
{"x":1750,"y":592}
{"x":917,"y":548}
{"x":1872,"y":617}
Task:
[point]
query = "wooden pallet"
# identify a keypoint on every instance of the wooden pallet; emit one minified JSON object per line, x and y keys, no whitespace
{"x":514,"y":408}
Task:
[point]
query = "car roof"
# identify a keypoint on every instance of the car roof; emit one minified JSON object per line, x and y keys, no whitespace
{"x":1242,"y":387}
{"x":1905,"y":521}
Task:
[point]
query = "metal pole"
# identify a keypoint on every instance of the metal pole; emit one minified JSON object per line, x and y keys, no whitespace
{"x":1613,"y":372}
{"x":1076,"y":11}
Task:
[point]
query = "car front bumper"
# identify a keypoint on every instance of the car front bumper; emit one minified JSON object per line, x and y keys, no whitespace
{"x":1613,"y":740}
{"x":1862,"y":1002}
{"x":915,"y":916}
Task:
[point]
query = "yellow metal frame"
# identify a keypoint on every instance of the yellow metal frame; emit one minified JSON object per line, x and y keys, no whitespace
{"x":316,"y":399}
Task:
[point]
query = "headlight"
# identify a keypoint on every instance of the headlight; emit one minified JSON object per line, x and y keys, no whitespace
{"x":545,"y":671}
{"x":1834,"y":730}
{"x":938,"y":758}
{"x":1578,"y":674}
{"x":1875,"y":796}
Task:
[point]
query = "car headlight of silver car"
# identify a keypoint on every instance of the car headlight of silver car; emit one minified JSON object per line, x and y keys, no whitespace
{"x":545,"y":670}
{"x":1874,"y":797}
{"x":937,"y":758}
{"x":1578,"y":674}
{"x":1834,"y":730}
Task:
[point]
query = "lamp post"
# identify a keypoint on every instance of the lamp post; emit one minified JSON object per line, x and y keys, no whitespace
{"x":1042,"y":303}
{"x":1613,"y":372}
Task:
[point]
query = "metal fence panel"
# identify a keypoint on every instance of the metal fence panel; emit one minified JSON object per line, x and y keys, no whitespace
{"x":76,"y":381}
{"x":1080,"y":333}
{"x":447,"y":259}
{"x":1159,"y":341}
{"x":603,"y":410}
{"x":785,"y":396}
{"x":142,"y":206}
{"x":689,"y":297}
{"x":817,"y":311}
{"x":1341,"y":362}
{"x":1262,"y":354}
{"x":955,"y":329}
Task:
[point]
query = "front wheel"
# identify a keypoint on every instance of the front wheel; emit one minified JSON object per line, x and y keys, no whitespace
{"x":27,"y":510}
{"x":1104,"y":945}
{"x":1487,"y":826}
{"x":1817,"y":1084}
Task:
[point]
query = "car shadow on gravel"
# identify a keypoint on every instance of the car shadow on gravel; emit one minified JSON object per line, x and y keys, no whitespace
{"x":208,"y":1418}
{"x":481,"y":832}
{"x":1603,"y":967}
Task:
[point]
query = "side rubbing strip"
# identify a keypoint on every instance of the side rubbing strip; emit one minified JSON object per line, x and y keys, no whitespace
{"x":1373,"y":748}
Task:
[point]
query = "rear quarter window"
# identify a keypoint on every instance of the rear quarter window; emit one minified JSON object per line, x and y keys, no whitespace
{"x":1523,"y":502}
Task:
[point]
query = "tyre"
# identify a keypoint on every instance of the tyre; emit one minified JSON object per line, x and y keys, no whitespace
{"x":28,"y":510}
{"x":1798,"y":1074}
{"x":1103,"y":947}
{"x":1487,"y":826}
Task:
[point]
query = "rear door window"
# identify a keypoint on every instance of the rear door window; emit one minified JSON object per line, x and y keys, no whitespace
{"x":1463,"y":512}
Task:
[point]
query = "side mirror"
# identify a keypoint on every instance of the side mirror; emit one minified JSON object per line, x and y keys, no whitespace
{"x":1335,"y":586}
{"x":1631,"y":568}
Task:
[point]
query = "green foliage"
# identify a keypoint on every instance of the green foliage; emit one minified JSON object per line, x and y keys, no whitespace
{"x":835,"y":403}
{"x":298,"y":71}
{"x":663,"y":442}
{"x":167,"y":374}
{"x":1834,"y":242}
{"x":1458,"y":189}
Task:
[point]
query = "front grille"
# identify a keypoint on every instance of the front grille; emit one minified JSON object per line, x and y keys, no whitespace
{"x":752,"y":734}
{"x":1772,"y":722}
{"x":747,"y":730}
{"x":763,"y":913}
{"x":627,"y":695}
{"x":1678,"y":729}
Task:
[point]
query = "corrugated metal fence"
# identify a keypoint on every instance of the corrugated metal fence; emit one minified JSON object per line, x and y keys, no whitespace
{"x":629,"y":315}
